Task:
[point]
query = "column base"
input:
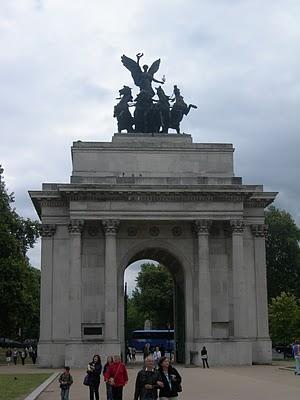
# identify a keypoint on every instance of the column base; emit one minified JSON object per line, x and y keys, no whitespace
{"x":51,"y":355}
{"x":262,"y":351}
{"x":74,"y":354}
{"x":80,"y":354}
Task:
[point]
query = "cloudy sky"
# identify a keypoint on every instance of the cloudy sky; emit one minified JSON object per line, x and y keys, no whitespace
{"x":60,"y":71}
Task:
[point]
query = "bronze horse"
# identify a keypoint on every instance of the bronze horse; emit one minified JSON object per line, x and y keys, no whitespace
{"x":121,"y":110}
{"x":178,"y":110}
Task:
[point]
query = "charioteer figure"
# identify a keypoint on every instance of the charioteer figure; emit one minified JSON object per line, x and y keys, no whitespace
{"x":142,"y":78}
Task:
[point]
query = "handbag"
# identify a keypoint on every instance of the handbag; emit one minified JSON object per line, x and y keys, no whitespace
{"x":86,"y":380}
{"x":111,"y":381}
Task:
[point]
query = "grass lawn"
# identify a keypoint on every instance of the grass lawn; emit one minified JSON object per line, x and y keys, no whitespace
{"x":17,"y":386}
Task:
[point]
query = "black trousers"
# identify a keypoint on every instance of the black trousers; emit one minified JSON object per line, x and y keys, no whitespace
{"x":94,"y":391}
{"x":117,"y":392}
{"x":204,"y":361}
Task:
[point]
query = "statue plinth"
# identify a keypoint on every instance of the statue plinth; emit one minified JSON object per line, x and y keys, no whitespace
{"x":159,"y":138}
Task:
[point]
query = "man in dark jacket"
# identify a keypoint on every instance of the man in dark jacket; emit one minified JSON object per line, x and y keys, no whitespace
{"x":147,"y":382}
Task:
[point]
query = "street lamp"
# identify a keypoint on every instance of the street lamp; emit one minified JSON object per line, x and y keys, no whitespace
{"x":169,"y":349}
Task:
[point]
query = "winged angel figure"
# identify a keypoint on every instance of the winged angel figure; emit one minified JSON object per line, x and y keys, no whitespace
{"x":142,"y":78}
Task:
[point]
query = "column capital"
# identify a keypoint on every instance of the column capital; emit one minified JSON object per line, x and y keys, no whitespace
{"x":237,"y":225}
{"x":75,"y":226}
{"x":259,"y":230}
{"x":110,"y":225}
{"x":47,"y":230}
{"x":201,"y":226}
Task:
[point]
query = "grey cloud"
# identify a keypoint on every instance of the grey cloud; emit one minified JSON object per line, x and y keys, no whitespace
{"x":60,"y":72}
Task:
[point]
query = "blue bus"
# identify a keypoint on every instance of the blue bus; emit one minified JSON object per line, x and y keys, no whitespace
{"x":155,"y":337}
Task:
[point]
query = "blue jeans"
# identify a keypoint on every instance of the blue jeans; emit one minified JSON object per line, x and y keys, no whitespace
{"x":297,"y":361}
{"x":64,"y":393}
{"x":109,"y":391}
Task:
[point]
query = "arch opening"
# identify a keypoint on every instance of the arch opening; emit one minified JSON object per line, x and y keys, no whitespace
{"x":156,"y":255}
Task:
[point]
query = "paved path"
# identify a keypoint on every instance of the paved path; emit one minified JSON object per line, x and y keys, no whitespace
{"x":231,"y":383}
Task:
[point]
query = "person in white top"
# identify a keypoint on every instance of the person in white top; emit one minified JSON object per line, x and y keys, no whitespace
{"x":156,"y":356}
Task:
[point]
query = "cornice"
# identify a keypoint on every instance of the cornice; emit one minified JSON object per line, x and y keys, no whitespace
{"x":156,"y":196}
{"x":62,"y":196}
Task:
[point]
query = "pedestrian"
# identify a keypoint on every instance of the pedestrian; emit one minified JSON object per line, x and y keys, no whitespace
{"x":146,"y":351}
{"x":65,"y":382}
{"x":15,"y":356}
{"x":204,"y":357}
{"x":128,"y":353}
{"x":117,"y":377}
{"x":33,"y":356}
{"x":156,"y":356}
{"x":23,"y":356}
{"x":296,"y":354}
{"x":8,"y":355}
{"x":109,"y":362}
{"x":30,"y":350}
{"x":147,"y":382}
{"x":94,"y":372}
{"x":133,"y":351}
{"x":171,"y":380}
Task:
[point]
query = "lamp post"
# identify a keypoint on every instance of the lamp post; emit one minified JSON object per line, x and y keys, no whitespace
{"x":169,"y":327}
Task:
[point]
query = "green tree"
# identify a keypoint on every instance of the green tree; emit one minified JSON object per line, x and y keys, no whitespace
{"x":284,"y":319}
{"x":135,"y":319}
{"x":282,"y":253}
{"x":153,"y":295}
{"x":19,"y":282}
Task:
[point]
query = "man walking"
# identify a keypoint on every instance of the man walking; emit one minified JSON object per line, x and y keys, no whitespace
{"x":147,"y":382}
{"x":296,"y":354}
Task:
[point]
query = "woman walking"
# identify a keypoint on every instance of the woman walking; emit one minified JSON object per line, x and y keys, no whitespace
{"x":156,"y":356}
{"x":204,"y":357}
{"x":109,"y":362}
{"x":170,"y":378}
{"x":15,"y":356}
{"x":117,"y":376}
{"x":94,"y":373}
{"x":8,"y":355}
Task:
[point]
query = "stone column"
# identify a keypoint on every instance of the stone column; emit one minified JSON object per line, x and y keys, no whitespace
{"x":240,"y":314}
{"x":111,"y":279}
{"x":204,"y":284}
{"x":75,"y":307}
{"x":46,"y":317}
{"x":259,"y":232}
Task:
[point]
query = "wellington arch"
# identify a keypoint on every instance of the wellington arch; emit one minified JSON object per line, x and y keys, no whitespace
{"x":163,"y":197}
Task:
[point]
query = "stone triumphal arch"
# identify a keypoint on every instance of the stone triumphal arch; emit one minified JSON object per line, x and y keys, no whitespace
{"x":161,"y":197}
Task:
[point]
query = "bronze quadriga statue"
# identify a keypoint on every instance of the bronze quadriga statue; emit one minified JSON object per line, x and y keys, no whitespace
{"x":150,"y":115}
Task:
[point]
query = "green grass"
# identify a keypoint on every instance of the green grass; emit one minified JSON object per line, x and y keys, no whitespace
{"x":16,"y":386}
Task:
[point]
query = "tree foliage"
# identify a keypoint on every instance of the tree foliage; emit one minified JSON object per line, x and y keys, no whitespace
{"x":284,"y":319}
{"x":282,"y":253}
{"x":153,"y":296}
{"x":19,"y":282}
{"x":135,"y":319}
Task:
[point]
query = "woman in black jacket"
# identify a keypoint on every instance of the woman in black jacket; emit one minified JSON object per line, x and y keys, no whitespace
{"x":94,"y":372}
{"x":170,"y":378}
